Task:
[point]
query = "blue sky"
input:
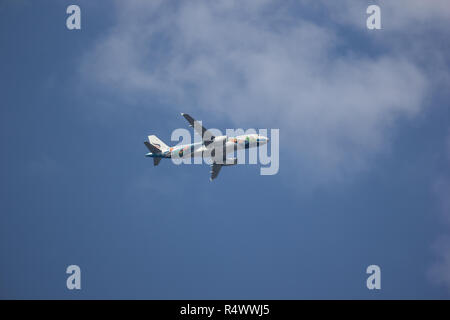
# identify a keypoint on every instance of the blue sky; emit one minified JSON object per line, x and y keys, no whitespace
{"x":364,"y":150}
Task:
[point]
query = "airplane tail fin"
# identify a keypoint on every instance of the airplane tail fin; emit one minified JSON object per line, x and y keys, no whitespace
{"x":152,"y":148}
{"x":156,"y":146}
{"x":156,"y":142}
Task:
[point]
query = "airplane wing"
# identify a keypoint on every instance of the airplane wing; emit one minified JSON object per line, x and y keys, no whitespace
{"x":206,"y":135}
{"x":156,"y":161}
{"x":215,"y":169}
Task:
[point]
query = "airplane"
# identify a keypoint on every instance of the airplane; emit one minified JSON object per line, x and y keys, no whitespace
{"x":216,"y":147}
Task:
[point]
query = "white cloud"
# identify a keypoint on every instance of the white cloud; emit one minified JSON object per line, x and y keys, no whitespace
{"x":415,"y":13}
{"x":259,"y":66}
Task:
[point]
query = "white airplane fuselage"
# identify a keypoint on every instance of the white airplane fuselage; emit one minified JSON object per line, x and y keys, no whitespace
{"x":220,"y":146}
